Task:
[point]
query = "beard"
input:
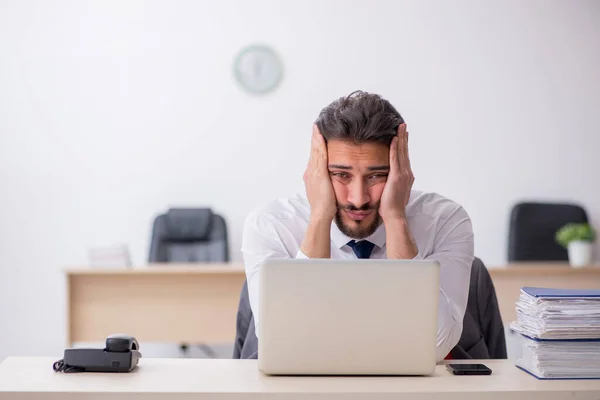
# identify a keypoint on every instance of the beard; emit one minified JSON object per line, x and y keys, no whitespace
{"x":359,"y":229}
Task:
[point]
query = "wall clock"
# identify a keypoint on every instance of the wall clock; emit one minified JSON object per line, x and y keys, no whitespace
{"x":257,"y":69}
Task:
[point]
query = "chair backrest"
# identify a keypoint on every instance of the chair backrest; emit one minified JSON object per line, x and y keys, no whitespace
{"x":246,"y":342}
{"x":533,"y":227}
{"x":482,"y":336}
{"x":483,"y":330}
{"x":189,"y":235}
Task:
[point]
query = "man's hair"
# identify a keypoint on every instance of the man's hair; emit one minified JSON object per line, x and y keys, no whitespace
{"x":360,"y":117}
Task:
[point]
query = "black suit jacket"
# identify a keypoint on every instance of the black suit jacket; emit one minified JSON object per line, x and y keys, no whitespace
{"x":482,"y":336}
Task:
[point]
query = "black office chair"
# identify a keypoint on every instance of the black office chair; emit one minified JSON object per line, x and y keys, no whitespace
{"x":533,"y":227}
{"x":186,"y":235}
{"x":189,"y":235}
{"x":483,"y":331}
{"x":245,"y":345}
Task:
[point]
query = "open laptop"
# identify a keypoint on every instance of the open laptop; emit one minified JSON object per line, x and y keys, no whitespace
{"x":348,"y":317}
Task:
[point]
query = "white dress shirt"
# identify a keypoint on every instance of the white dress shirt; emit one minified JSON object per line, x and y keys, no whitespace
{"x":441,"y":228}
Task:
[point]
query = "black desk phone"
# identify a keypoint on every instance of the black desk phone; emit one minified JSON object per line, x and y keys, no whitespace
{"x":121,"y":354}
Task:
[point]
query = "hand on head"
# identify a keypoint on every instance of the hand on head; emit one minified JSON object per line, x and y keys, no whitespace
{"x":317,"y":181}
{"x":399,"y":183}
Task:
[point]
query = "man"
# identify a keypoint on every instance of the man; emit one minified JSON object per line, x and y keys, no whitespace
{"x":359,"y":203}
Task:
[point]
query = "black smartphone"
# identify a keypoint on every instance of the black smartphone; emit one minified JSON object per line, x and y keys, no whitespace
{"x":468,"y":369}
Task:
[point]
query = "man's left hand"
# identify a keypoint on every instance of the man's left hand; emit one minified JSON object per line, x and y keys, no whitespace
{"x":397,"y":189}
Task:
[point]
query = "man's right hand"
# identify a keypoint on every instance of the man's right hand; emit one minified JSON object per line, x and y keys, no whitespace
{"x":319,"y":190}
{"x":317,"y":181}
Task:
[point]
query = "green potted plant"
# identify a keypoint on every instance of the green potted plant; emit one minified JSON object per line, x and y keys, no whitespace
{"x":577,"y":238}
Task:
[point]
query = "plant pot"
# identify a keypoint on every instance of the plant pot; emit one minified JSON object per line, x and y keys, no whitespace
{"x":580,"y":253}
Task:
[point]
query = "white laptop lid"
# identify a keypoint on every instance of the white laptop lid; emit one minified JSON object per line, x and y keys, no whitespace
{"x":348,"y":317}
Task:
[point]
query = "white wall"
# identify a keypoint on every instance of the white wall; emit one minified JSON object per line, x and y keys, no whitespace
{"x":112,"y":111}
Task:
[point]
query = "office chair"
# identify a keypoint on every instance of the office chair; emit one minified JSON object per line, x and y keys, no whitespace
{"x":185,"y":235}
{"x":483,"y":331}
{"x":246,"y":342}
{"x":533,"y":228}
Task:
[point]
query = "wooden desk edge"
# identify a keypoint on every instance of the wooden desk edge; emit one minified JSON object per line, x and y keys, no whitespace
{"x":161,"y":269}
{"x":542,"y":269}
{"x":517,"y":269}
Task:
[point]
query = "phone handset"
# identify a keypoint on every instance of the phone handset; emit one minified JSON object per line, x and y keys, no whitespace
{"x":120,"y":343}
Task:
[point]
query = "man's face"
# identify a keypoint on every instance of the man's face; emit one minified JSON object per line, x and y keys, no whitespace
{"x":358,"y":175}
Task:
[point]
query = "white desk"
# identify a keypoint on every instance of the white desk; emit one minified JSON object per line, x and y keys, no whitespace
{"x":33,"y":378}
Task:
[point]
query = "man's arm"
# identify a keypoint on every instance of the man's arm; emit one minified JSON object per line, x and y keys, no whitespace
{"x":317,"y":239}
{"x":261,"y":240}
{"x":454,"y":251}
{"x":400,"y":243}
{"x":264,"y":238}
{"x":319,"y":191}
{"x":263,"y":233}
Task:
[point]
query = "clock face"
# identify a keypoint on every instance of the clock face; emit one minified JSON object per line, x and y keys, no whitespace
{"x":258,"y":69}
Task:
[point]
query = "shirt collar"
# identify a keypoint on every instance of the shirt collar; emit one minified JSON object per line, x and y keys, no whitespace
{"x":340,"y":239}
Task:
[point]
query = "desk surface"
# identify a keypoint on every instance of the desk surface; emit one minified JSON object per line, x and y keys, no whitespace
{"x":234,"y":379}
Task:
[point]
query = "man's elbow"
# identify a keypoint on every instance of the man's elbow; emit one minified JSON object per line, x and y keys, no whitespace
{"x":448,"y":338}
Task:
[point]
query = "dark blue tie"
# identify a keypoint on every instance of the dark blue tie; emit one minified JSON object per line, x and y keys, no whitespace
{"x":362,"y":249}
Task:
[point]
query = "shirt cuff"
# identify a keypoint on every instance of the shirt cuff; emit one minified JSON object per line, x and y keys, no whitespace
{"x":301,"y":255}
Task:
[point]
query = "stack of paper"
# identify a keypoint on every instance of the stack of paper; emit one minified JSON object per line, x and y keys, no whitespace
{"x":560,"y":359}
{"x":110,"y":256}
{"x":560,"y":332}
